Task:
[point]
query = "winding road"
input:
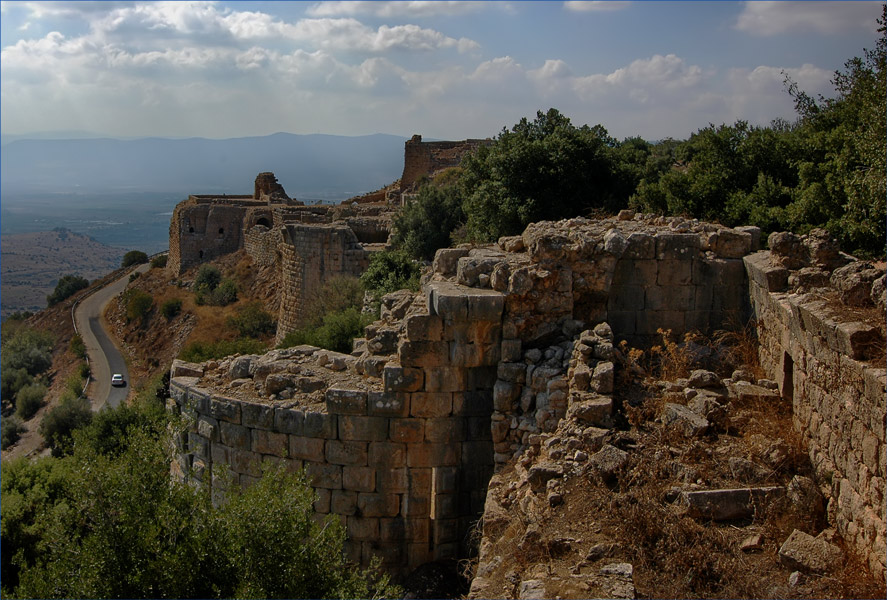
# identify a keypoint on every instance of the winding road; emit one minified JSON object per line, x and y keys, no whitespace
{"x":104,"y":356}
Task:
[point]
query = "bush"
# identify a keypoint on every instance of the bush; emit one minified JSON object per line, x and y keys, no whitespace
{"x":66,"y":287}
{"x":12,"y":380}
{"x":10,"y":432}
{"x":29,"y":400}
{"x":134,"y":257}
{"x":134,"y":275}
{"x":84,"y":370}
{"x":335,"y":295}
{"x":202,"y":351}
{"x":224,"y":294}
{"x":425,"y":224}
{"x":389,"y":271}
{"x":77,"y":347}
{"x":337,"y":331}
{"x":27,"y":349}
{"x":159,"y":262}
{"x":138,"y":304}
{"x":171,"y":308}
{"x":208,"y":278}
{"x":252,"y":321}
{"x":60,"y":422}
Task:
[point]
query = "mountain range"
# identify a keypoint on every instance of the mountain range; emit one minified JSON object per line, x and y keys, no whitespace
{"x":317,"y":166}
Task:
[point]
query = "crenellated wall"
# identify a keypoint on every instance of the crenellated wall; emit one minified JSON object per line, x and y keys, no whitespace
{"x":422,"y":159}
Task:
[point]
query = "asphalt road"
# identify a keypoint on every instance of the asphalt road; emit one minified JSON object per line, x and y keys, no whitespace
{"x":104,"y":356}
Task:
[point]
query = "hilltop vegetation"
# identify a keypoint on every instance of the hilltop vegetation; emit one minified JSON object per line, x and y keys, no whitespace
{"x":826,"y":169}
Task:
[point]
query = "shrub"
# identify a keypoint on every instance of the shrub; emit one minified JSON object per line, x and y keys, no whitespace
{"x":12,"y":380}
{"x":66,"y":287}
{"x":84,"y":370}
{"x":159,"y":262}
{"x":335,"y":295}
{"x":208,"y":278}
{"x":426,"y":223}
{"x":138,"y":303}
{"x":28,"y":349}
{"x":252,"y":321}
{"x":389,"y":271}
{"x":134,"y":275}
{"x":77,"y":347}
{"x":60,"y":422}
{"x":10,"y":431}
{"x":224,"y":294}
{"x":28,"y":400}
{"x":134,"y":257}
{"x":170,"y":308}
{"x":202,"y":351}
{"x":337,"y":331}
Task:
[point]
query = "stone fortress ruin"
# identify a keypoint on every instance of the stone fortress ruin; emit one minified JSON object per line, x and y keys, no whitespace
{"x":401,"y":437}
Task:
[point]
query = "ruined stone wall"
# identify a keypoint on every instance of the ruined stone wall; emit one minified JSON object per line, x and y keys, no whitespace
{"x":201,"y":231}
{"x":261,"y":244}
{"x":422,"y":159}
{"x":821,"y":354}
{"x":311,"y":255}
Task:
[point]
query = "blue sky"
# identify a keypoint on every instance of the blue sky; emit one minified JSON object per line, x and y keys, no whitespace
{"x":447,"y":70}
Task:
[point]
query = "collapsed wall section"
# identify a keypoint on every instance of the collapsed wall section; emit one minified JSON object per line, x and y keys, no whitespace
{"x":202,"y":230}
{"x":821,"y":354}
{"x":422,"y":159}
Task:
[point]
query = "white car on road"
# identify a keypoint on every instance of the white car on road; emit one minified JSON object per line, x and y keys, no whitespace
{"x":117,"y":380}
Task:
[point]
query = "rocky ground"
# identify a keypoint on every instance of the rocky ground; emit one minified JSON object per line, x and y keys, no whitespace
{"x":701,"y":489}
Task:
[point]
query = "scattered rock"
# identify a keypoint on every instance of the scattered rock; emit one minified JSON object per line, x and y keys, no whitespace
{"x":601,"y":550}
{"x":540,"y":474}
{"x":532,"y":589}
{"x":854,"y":282}
{"x":701,"y":378}
{"x":685,"y":420}
{"x":796,"y":578}
{"x":728,"y":504}
{"x":803,"y":552}
{"x":752,"y":543}
{"x":608,"y":462}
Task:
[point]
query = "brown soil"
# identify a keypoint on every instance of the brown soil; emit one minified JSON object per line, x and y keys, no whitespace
{"x":637,"y":518}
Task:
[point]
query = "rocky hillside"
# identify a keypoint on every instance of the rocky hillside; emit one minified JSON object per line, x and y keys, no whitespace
{"x":33,"y":263}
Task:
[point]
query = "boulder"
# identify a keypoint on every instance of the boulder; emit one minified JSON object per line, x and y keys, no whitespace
{"x":539,"y":475}
{"x":803,"y":552}
{"x":854,"y":282}
{"x":728,"y":504}
{"x":700,"y":378}
{"x":608,"y":461}
{"x":685,"y":420}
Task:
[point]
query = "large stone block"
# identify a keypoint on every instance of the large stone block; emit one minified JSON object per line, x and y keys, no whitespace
{"x":474,"y":404}
{"x":445,"y":430}
{"x":208,"y":427}
{"x":324,"y":476}
{"x":346,"y":453}
{"x":732,"y":243}
{"x":433,"y":455}
{"x":257,"y":416}
{"x":343,"y":502}
{"x":627,"y":297}
{"x":359,"y":479}
{"x":388,"y":404}
{"x":305,"y":448}
{"x":423,"y":354}
{"x":378,"y":505}
{"x":362,"y":528}
{"x":346,"y":401}
{"x":246,"y":463}
{"x":640,"y":246}
{"x":728,"y":504}
{"x":268,"y":442}
{"x":813,"y":555}
{"x":421,"y":328}
{"x":383,"y":455}
{"x":446,"y":260}
{"x":289,"y":420}
{"x":446,"y":379}
{"x":320,"y":425}
{"x":670,"y":297}
{"x":406,"y":430}
{"x":367,"y":429}
{"x":235,"y":436}
{"x":676,"y":246}
{"x":431,"y":404}
{"x":402,"y":379}
{"x":675,"y":272}
{"x":225,"y":409}
{"x":402,"y":529}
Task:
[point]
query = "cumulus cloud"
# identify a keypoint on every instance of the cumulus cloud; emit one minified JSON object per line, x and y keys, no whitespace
{"x":775,"y":18}
{"x":413,"y":9}
{"x":595,"y":5}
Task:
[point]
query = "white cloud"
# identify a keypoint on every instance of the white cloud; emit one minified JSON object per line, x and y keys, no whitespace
{"x":595,"y":6}
{"x":775,"y":18}
{"x":394,"y":9}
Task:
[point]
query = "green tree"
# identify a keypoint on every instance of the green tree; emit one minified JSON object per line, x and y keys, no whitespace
{"x":159,"y":262}
{"x":134,"y":257}
{"x":224,"y":294}
{"x":201,"y":351}
{"x":389,"y":271}
{"x":208,"y":278}
{"x":541,"y":169}
{"x":77,"y":347}
{"x":138,"y":304}
{"x":11,"y":429}
{"x":170,"y":308}
{"x":28,"y":400}
{"x":426,"y":223}
{"x":59,"y":424}
{"x":336,"y":331}
{"x":66,"y":287}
